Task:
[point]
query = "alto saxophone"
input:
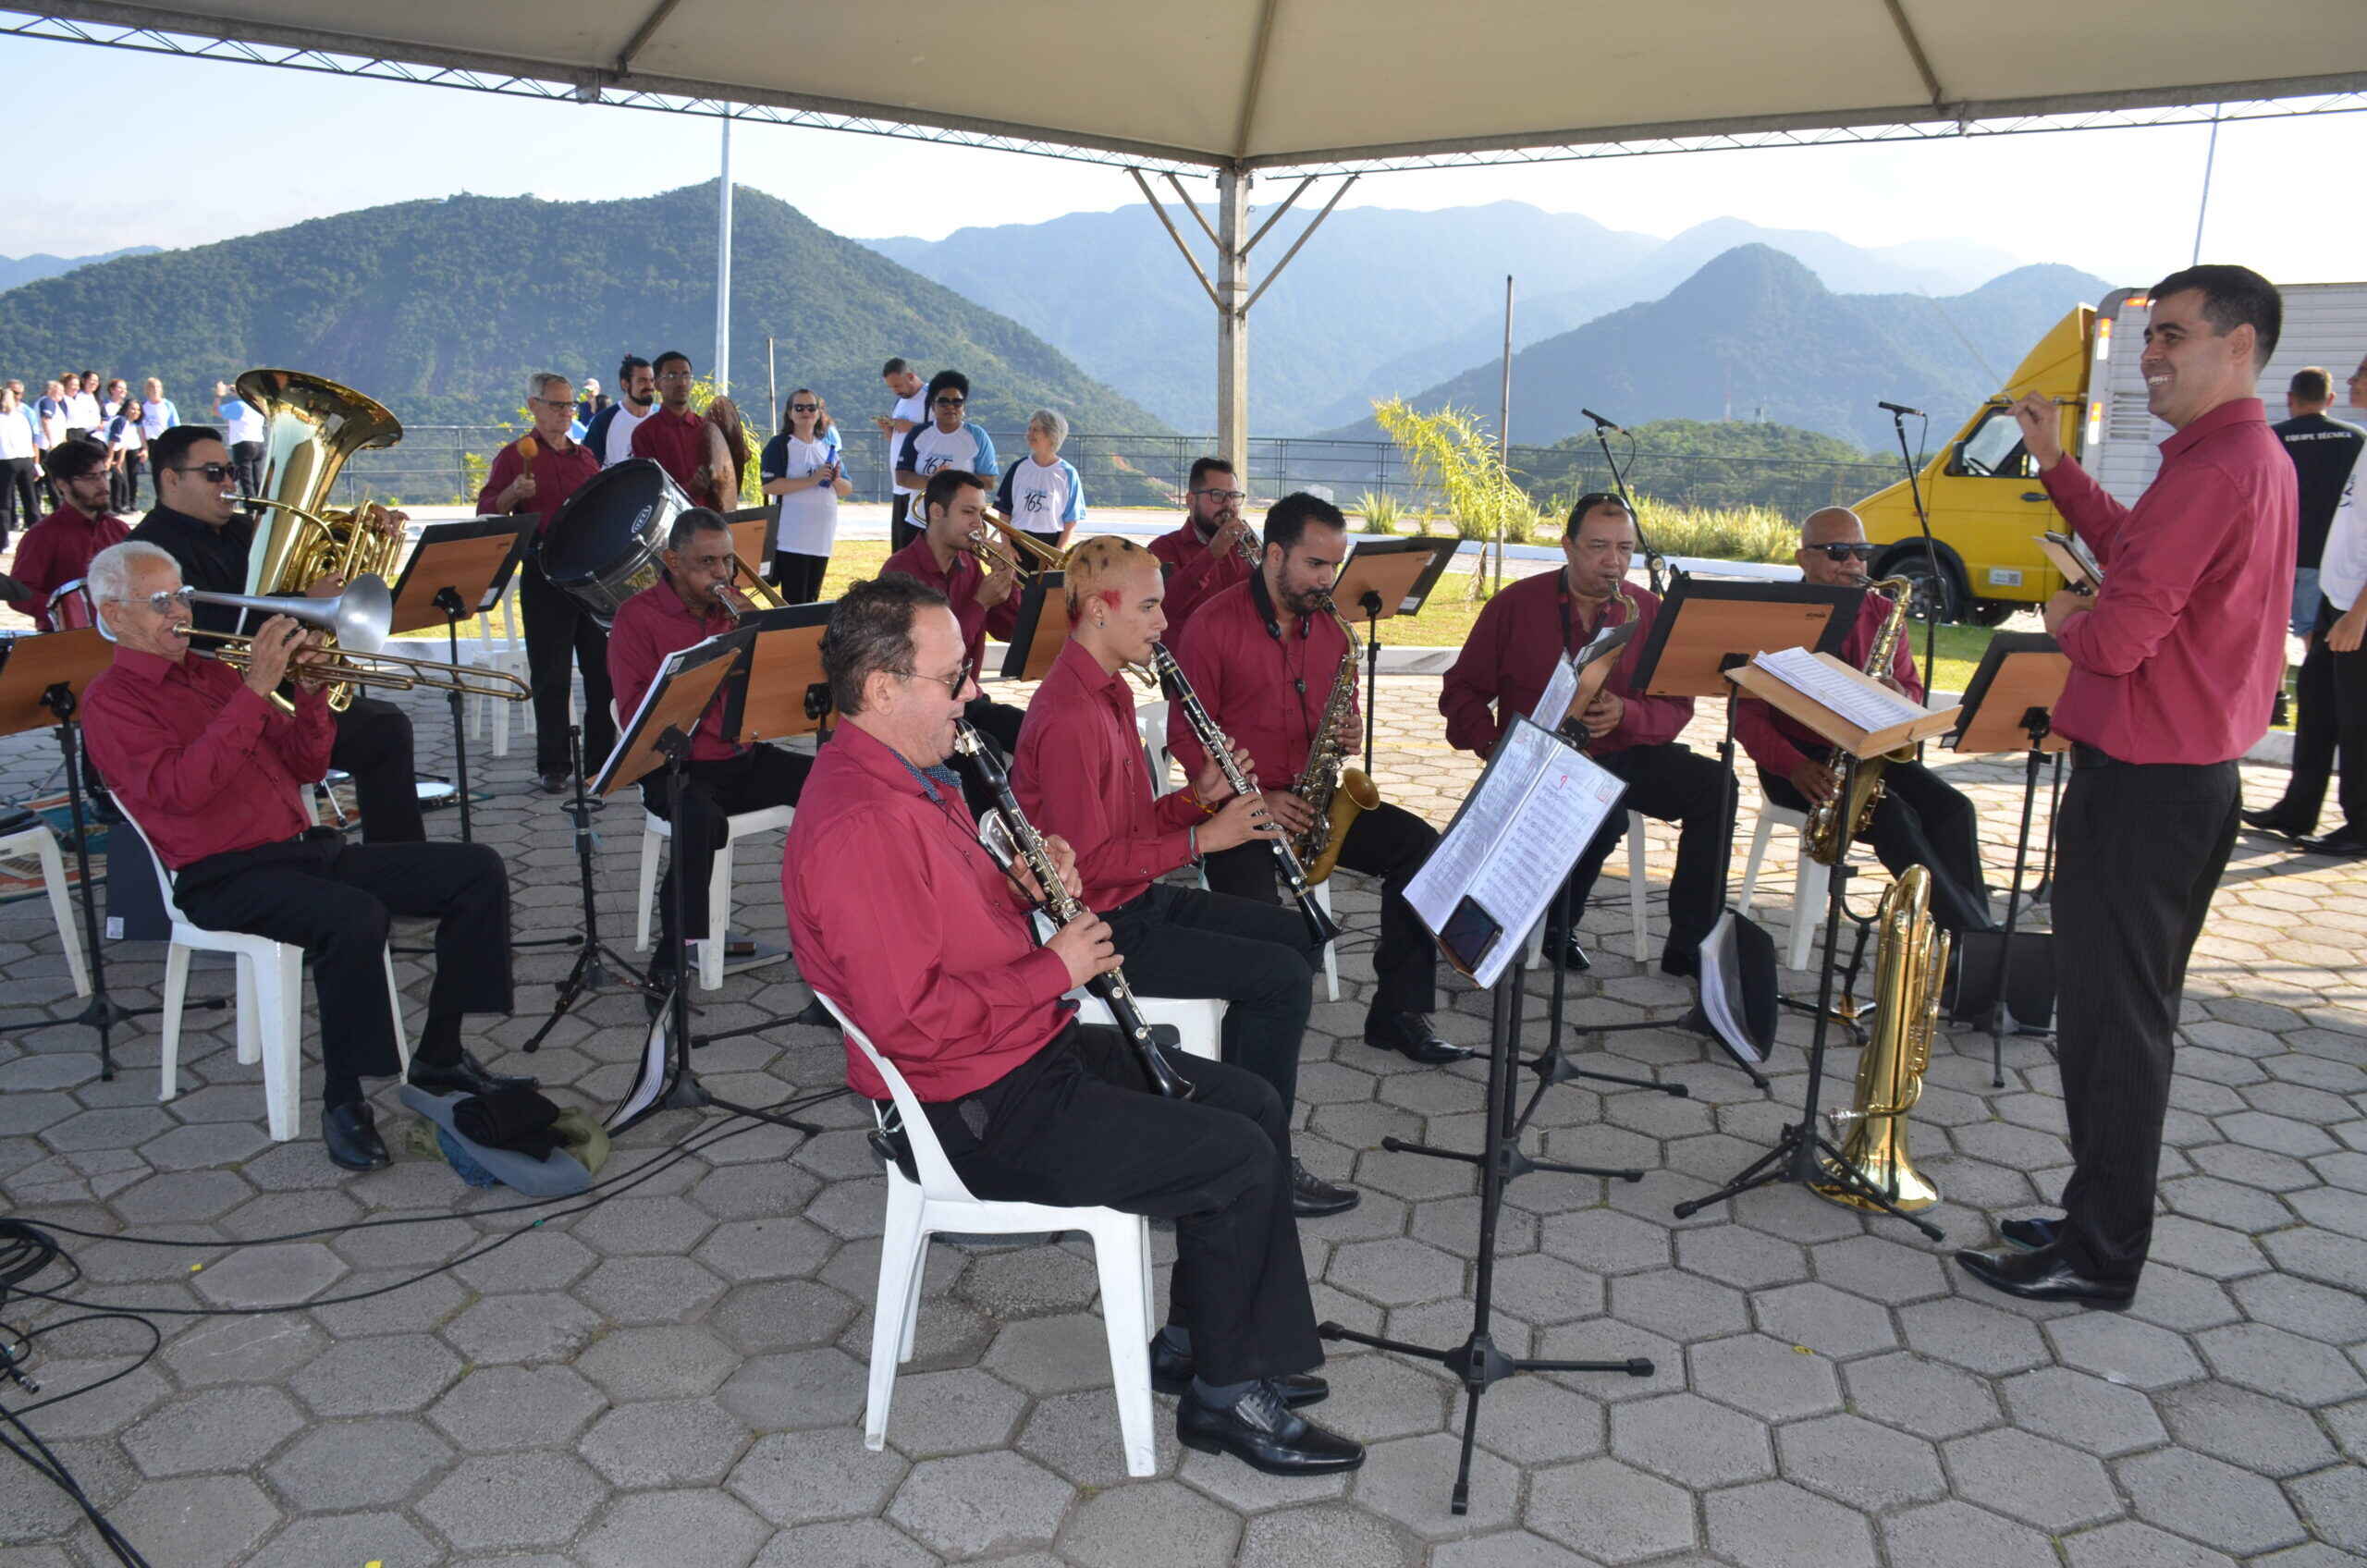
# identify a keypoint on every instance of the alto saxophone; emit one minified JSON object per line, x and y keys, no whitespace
{"x":1830,"y":826}
{"x":1335,"y":792}
{"x":1908,"y":967}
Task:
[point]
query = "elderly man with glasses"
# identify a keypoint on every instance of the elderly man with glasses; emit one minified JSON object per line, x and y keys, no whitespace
{"x":211,"y":765}
{"x":533,"y":476}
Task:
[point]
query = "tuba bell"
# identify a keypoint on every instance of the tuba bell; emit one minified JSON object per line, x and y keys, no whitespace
{"x":1909,"y":965}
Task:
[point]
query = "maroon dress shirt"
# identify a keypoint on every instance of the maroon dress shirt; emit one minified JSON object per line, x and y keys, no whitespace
{"x":2181,"y":658}
{"x":557,"y":476}
{"x":1779,"y":742}
{"x":203,"y":764}
{"x":899,"y":916}
{"x":57,"y":550}
{"x":678,"y":443}
{"x":1267,"y":693}
{"x":652,"y":624}
{"x":1079,"y":774}
{"x":959,"y":583}
{"x":1509,"y":658}
{"x":1194,"y":573}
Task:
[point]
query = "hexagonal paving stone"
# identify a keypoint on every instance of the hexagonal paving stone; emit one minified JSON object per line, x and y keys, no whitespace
{"x":214,"y":1430}
{"x":1973,"y":1335}
{"x":805,"y":1388}
{"x":2335,"y":1501}
{"x":1052,"y":1354}
{"x":1029,"y":1282}
{"x":359,"y":1463}
{"x":1607,"y":1242}
{"x":1161,"y":1522}
{"x":2131,"y":1544}
{"x":1395,"y":1273}
{"x":1691,"y":1441}
{"x":1405,"y":1480}
{"x":857,"y":1543}
{"x":2026,"y":1477}
{"x":211,"y":1521}
{"x":388,"y":1539}
{"x":665,"y":1443}
{"x":1768,"y":1379}
{"x":1870,"y":1467}
{"x":2215,"y":1504}
{"x":700,"y":1528}
{"x":2246,"y":1429}
{"x":980,"y":1504}
{"x":1336,"y":1536}
{"x":1537,"y":1421}
{"x":1678,"y":1305}
{"x":510,"y":1501}
{"x":678,"y":1361}
{"x":278,"y":1276}
{"x":1609,"y":1511}
{"x":1737,"y":1256}
{"x":1543,"y":1288}
{"x":1776,"y":1524}
{"x":532,"y":1325}
{"x":649,"y":1289}
{"x":1956,"y":1535}
{"x":2303,"y":1306}
{"x":2120,"y":1349}
{"x":506,"y":1407}
{"x":799,"y":1478}
{"x":387,"y":1375}
{"x":1919,"y":1396}
{"x":1827,"y":1321}
{"x":2282,"y":1365}
{"x":782,"y":1315}
{"x":2088,"y":1412}
{"x":955,"y":1412}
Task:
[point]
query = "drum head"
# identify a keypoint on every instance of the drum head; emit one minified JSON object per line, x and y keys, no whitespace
{"x":604,"y":546}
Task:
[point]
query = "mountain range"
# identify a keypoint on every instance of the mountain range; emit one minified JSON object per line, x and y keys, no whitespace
{"x":1755,"y":334}
{"x":1380,"y":302}
{"x":440,"y":309}
{"x":27,"y":269}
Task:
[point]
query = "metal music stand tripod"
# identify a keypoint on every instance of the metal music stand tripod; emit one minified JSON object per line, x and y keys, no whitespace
{"x":1384,"y":578}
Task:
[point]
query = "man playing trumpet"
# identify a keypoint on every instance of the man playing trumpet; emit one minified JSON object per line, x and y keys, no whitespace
{"x":948,"y":556}
{"x":213,"y":774}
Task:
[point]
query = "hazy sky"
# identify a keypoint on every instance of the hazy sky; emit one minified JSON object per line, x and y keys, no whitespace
{"x":287,"y":145}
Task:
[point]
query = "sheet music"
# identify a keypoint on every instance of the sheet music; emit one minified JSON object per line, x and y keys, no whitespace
{"x":1868,"y":708}
{"x":1513,"y":842}
{"x":1554,"y":706}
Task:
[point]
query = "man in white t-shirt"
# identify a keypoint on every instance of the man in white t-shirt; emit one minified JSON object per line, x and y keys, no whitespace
{"x":609,"y":434}
{"x":1041,"y":493}
{"x":910,"y":411}
{"x":242,"y":431}
{"x":948,"y":440}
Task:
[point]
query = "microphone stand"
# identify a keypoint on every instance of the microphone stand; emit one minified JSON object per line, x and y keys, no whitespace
{"x":1655,"y":564}
{"x":1931,"y":550}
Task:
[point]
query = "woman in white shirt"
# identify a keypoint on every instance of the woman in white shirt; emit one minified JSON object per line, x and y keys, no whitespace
{"x":805,"y":472}
{"x":127,"y":451}
{"x":20,"y":467}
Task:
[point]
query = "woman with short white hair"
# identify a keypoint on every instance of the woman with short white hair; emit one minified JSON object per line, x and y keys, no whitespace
{"x":1041,"y":493}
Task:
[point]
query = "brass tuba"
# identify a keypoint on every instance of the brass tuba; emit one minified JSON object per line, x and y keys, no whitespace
{"x":313,"y":426}
{"x":1832,"y":822}
{"x":1908,"y":968}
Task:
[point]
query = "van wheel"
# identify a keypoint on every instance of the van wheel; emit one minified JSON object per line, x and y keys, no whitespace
{"x":1993,"y":612}
{"x":1943,"y":597}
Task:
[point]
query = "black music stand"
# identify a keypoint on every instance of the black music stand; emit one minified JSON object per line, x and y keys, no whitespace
{"x":458,"y":569}
{"x":2010,"y":706}
{"x":1474,"y":937}
{"x":41,"y":685}
{"x":1042,"y":629}
{"x":659,"y":735}
{"x":1803,"y":1154}
{"x":1385,"y":578}
{"x":590,"y":970}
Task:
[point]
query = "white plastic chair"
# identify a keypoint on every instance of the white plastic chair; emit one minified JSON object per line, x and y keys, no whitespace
{"x":42,"y":842}
{"x":656,"y":830}
{"x":271,"y":1003}
{"x":1150,"y":723}
{"x":1638,"y":894}
{"x":1198,"y":1020}
{"x":1808,"y":883}
{"x":940,"y":1203}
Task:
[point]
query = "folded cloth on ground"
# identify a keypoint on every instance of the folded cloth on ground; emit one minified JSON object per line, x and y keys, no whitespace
{"x":557,"y":1176}
{"x":509,"y":1119}
{"x":583,"y":1137}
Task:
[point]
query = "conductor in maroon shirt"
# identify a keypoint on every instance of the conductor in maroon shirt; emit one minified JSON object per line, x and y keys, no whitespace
{"x":1502,"y":671}
{"x":1079,"y":773}
{"x":534,"y":476}
{"x":1263,"y":655}
{"x":721,"y":778}
{"x":1204,"y":555}
{"x":212,"y":771}
{"x":1922,"y":819}
{"x":2175,"y":662}
{"x":901,"y":919}
{"x":945,"y":556}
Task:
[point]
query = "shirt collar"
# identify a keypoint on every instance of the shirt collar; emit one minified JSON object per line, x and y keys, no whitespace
{"x":2234,"y":411}
{"x":1077,"y":664}
{"x":887,"y":765}
{"x":154,"y":668}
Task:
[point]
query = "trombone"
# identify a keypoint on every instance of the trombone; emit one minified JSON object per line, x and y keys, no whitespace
{"x":358,"y":620}
{"x":741,"y":603}
{"x":1005,"y":555}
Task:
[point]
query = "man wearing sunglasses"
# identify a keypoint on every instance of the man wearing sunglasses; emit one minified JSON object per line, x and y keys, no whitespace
{"x":1922,"y":819}
{"x":948,"y":440}
{"x":197,"y":521}
{"x":213,"y":774}
{"x":1204,"y":557}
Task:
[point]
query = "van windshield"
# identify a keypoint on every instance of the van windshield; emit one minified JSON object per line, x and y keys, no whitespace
{"x":1994,"y":448}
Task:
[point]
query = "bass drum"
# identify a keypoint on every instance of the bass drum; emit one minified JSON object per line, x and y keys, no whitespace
{"x":71,"y":607}
{"x":606,"y":544}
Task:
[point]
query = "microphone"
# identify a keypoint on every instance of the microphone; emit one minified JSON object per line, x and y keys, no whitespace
{"x":1603,"y":423}
{"x":1900,"y":408}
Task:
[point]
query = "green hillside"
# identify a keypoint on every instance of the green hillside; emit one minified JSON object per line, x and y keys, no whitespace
{"x":440,"y":309}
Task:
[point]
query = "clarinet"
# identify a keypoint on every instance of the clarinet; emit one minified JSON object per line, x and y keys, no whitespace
{"x":1065,"y":910}
{"x":1319,"y":927}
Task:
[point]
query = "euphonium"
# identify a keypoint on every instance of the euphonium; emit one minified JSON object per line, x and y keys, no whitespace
{"x":1908,"y":967}
{"x":1335,"y":792}
{"x":1824,"y":836}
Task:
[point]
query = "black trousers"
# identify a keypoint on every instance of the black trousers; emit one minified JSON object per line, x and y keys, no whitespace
{"x":20,"y":506}
{"x":2330,"y":719}
{"x":374,"y":745}
{"x":1077,"y":1125}
{"x":798,"y":575}
{"x":247,"y":458}
{"x":2142,"y":850}
{"x":1389,"y":842}
{"x":332,"y":899}
{"x":1050,"y":541}
{"x":1669,"y":783}
{"x":1921,"y":820}
{"x":901,"y":532}
{"x":1183,"y":942}
{"x":123,"y":482}
{"x":756,"y":779}
{"x":561,"y":636}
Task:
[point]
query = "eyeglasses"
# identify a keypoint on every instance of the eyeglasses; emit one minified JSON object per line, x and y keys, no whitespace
{"x":162,"y":602}
{"x":949,"y":402}
{"x":952,"y":683}
{"x":1224,"y":495}
{"x":1846,"y":552}
{"x":214,"y":472}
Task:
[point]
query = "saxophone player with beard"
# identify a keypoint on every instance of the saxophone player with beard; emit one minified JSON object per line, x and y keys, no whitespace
{"x":1266,"y":656}
{"x":1920,"y":818}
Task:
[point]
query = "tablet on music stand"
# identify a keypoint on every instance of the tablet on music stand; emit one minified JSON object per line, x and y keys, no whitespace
{"x":685,"y":684}
{"x":1705,"y":622}
{"x":1391,"y":577}
{"x":1042,"y":628}
{"x":2021,"y":675}
{"x":784,"y":693}
{"x":473,"y":558}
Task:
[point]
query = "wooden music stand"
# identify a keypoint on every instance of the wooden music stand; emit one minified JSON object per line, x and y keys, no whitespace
{"x":1042,"y":629}
{"x":1845,"y":735}
{"x":2021,"y":674}
{"x":757,"y":544}
{"x":1706,"y":622}
{"x":34,"y":665}
{"x":686,"y":683}
{"x":472,"y":557}
{"x":784,"y":693}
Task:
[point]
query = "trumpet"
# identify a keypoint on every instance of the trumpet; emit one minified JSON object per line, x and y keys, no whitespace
{"x":358,"y":619}
{"x":1005,"y":554}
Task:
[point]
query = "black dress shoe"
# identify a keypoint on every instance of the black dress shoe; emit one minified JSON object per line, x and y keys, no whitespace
{"x":2030,"y":1234}
{"x":1312,"y":1196}
{"x":2346,"y":842}
{"x":1574,"y":954}
{"x":351,"y":1134}
{"x":1410,"y":1034}
{"x":2042,"y":1276}
{"x":1172,"y":1371}
{"x":1263,"y":1433}
{"x":466,"y":1076}
{"x":555,"y":783}
{"x":2273,"y":820}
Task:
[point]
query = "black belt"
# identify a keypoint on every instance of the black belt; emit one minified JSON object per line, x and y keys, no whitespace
{"x":2084,"y":756}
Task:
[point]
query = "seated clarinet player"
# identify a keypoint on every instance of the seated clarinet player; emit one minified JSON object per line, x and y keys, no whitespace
{"x":1079,"y":774}
{"x":212,"y":771}
{"x":1921,"y":818}
{"x":900,"y":916}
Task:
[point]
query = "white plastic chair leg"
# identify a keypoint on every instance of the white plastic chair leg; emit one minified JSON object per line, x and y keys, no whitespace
{"x":1118,"y":1251}
{"x":1638,"y":889}
{"x":901,"y":1244}
{"x":276,"y":999}
{"x":1807,"y":908}
{"x":168,"y":1081}
{"x":395,"y":1000}
{"x":249,"y":1029}
{"x":719,"y":920}
{"x":61,"y":909}
{"x":1331,"y":949}
{"x":1760,"y":835}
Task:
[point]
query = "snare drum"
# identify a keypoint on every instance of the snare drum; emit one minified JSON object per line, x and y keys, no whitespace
{"x":71,"y":607}
{"x":606,"y":544}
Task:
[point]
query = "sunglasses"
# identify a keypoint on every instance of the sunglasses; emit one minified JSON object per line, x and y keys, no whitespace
{"x":1846,"y":552}
{"x":214,"y":472}
{"x":949,"y":402}
{"x":805,"y":407}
